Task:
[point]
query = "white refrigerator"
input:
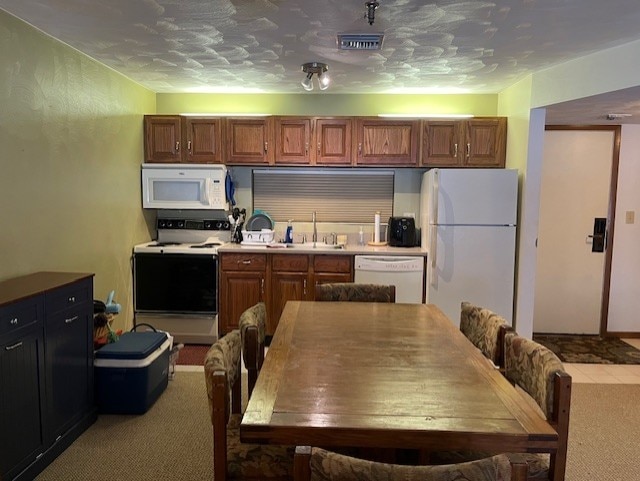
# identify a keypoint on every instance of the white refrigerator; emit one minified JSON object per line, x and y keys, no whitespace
{"x":468,"y":225}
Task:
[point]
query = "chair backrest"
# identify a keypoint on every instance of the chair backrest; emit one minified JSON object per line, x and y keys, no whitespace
{"x":316,"y":464}
{"x":252,"y":331}
{"x":539,"y":372}
{"x":222,"y":375}
{"x":485,"y":329}
{"x":349,"y":291}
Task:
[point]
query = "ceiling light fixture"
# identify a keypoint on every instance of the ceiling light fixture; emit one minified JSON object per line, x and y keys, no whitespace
{"x":318,"y":68}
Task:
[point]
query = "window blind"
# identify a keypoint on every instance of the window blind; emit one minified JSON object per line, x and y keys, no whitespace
{"x":336,"y":195}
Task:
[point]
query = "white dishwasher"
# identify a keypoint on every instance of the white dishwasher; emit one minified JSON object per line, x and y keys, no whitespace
{"x":404,"y":272}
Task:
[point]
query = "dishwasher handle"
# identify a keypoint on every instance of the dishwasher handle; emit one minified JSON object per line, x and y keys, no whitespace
{"x":384,"y":263}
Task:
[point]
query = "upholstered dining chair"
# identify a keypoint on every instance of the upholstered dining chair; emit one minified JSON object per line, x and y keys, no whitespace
{"x":539,"y":372}
{"x":541,"y":377}
{"x":349,"y":291}
{"x":231,"y":458}
{"x":252,"y":332}
{"x":317,"y":464}
{"x":486,"y":330}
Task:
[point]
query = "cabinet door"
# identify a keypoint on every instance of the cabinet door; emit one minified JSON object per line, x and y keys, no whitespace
{"x":293,"y":139}
{"x":486,"y":142}
{"x":387,"y":142}
{"x":239,"y":290}
{"x":333,"y":141}
{"x":162,"y":138}
{"x":442,"y":144}
{"x":21,"y":394}
{"x":68,"y":368}
{"x":287,"y":286}
{"x":248,"y":141}
{"x":204,"y":140}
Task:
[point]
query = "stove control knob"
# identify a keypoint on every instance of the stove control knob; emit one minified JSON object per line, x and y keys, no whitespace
{"x":169,"y":224}
{"x":208,"y":225}
{"x":180,"y":224}
{"x":226,"y":225}
{"x":162,"y":224}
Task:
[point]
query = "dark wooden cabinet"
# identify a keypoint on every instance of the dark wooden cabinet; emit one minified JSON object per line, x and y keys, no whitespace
{"x":292,"y":140}
{"x":46,"y":369}
{"x":242,"y":285}
{"x":333,"y":141}
{"x":182,"y":139}
{"x":383,"y":142}
{"x":290,"y":281}
{"x":477,"y":142}
{"x":249,"y":141}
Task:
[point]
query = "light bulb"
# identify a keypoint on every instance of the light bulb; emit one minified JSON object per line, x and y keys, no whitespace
{"x":307,"y":84}
{"x":323,"y":81}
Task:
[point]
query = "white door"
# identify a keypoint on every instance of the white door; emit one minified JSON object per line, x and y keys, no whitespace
{"x":576,"y":177}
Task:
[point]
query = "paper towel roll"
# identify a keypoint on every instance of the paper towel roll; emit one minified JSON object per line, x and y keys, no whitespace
{"x":376,"y":228}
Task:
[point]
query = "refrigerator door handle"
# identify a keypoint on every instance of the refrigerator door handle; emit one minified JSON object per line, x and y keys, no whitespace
{"x":434,"y":196}
{"x":432,"y":254}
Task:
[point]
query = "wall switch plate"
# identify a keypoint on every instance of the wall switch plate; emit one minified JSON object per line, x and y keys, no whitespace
{"x":630,"y":217}
{"x":409,"y":214}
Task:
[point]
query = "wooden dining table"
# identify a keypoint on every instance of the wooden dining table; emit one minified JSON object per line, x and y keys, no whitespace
{"x":385,"y":375}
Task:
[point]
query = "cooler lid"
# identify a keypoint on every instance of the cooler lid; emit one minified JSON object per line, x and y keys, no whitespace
{"x":132,"y":345}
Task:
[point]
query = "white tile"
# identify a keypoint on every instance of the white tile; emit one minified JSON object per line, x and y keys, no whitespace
{"x":635,"y":342}
{"x":579,"y":377}
{"x":604,"y":379}
{"x":628,"y":379}
{"x":189,"y":368}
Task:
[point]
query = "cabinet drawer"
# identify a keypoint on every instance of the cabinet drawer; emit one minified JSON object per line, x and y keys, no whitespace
{"x":68,"y":296}
{"x":332,"y":263}
{"x":290,"y":263}
{"x":19,"y":315}
{"x":243,"y":262}
{"x":68,"y":317}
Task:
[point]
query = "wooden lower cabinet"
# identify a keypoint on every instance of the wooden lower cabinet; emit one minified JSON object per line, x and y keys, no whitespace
{"x":246,"y":279}
{"x":242,"y":285}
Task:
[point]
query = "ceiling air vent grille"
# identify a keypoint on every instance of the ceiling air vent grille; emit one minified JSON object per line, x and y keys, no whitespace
{"x":360,"y":41}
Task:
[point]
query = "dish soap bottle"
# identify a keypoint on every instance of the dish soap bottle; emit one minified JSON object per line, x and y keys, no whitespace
{"x":288,"y":237}
{"x":361,"y":237}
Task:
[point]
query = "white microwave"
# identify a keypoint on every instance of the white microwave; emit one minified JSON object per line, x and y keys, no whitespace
{"x":184,"y":186}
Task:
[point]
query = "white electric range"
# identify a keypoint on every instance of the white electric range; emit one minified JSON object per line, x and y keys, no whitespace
{"x":175,"y":278}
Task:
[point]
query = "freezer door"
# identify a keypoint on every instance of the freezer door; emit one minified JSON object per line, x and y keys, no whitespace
{"x":475,"y":264}
{"x":475,"y":197}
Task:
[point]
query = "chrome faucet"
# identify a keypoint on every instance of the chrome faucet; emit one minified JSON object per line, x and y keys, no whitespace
{"x":314,"y":237}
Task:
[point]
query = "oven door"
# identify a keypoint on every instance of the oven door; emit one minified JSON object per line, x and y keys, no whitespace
{"x":175,"y":283}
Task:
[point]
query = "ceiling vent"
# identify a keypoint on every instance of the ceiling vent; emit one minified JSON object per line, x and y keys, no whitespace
{"x":360,"y":41}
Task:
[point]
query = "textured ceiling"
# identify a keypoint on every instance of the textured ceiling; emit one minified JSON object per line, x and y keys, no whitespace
{"x":259,"y":45}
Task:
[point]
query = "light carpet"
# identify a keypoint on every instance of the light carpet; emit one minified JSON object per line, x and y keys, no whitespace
{"x":173,"y":441}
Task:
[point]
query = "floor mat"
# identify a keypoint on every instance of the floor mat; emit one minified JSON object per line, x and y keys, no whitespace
{"x":587,"y":349}
{"x":192,"y":355}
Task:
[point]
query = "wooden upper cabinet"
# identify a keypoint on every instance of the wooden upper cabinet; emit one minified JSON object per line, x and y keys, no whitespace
{"x":163,"y":141}
{"x":486,"y":142}
{"x":387,"y":142}
{"x":293,"y":140}
{"x":441,"y":143}
{"x":333,"y":141}
{"x":464,"y":143}
{"x":248,"y":141}
{"x":204,"y":140}
{"x":176,"y":139}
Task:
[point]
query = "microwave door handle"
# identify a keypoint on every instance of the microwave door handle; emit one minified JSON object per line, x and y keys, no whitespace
{"x":207,"y":191}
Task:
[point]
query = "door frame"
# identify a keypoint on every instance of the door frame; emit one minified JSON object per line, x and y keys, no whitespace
{"x":611,"y":215}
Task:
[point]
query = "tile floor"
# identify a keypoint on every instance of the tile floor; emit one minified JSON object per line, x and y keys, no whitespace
{"x":580,"y":373}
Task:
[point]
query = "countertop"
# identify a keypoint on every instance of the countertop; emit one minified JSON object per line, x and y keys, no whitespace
{"x":346,"y":250}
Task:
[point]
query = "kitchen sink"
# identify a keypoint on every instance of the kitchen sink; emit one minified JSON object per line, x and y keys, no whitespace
{"x":315,"y":245}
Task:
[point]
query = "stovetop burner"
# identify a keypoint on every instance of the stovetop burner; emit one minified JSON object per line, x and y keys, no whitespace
{"x":206,"y":245}
{"x":164,"y":244}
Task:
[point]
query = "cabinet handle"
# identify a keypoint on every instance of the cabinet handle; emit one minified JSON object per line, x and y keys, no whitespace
{"x":189,"y":146}
{"x":468,"y":150}
{"x":455,"y":150}
{"x":71,"y":319}
{"x":13,"y":346}
{"x":318,"y":147}
{"x":71,"y":299}
{"x":14,"y":321}
{"x":177,"y":146}
{"x":246,"y":262}
{"x":266,"y":145}
{"x":304,"y":287}
{"x":262,"y":286}
{"x":360,"y":149}
{"x":306,"y":148}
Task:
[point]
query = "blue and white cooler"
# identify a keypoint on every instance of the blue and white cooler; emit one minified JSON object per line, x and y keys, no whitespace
{"x":132,"y":373}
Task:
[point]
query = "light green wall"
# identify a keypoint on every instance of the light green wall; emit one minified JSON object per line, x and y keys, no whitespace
{"x":71,"y":136}
{"x":327,"y":104}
